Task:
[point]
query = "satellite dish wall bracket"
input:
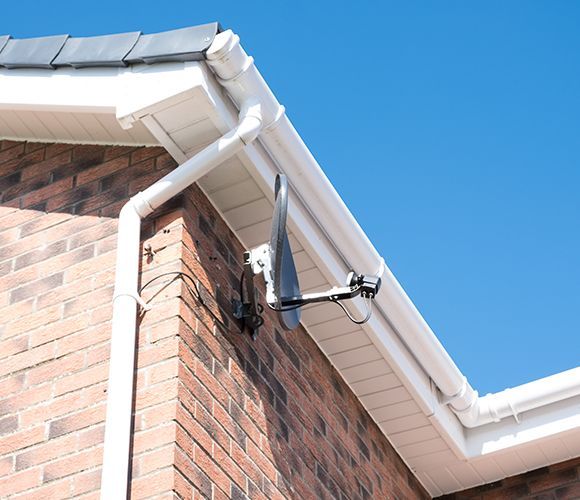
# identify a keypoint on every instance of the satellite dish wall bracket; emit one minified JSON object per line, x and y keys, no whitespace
{"x":250,"y":311}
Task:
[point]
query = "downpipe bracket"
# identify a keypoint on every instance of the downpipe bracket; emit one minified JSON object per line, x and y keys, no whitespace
{"x":136,"y":297}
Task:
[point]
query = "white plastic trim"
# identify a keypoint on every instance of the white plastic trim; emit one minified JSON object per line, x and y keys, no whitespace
{"x":309,"y":182}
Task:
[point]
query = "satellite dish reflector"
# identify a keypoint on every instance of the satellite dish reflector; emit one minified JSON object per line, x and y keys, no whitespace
{"x":283,"y":269}
{"x":274,"y":259}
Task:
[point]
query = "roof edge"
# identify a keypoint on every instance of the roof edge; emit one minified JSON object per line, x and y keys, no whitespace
{"x":117,"y":50}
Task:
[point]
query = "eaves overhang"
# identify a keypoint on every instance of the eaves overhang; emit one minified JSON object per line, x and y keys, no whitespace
{"x":183,"y":106}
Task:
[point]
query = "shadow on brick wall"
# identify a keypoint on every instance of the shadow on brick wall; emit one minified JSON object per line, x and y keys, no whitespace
{"x":269,"y":418}
{"x":275,"y":405}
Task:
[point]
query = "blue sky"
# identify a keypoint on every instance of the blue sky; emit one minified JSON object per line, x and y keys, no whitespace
{"x":452,"y":131}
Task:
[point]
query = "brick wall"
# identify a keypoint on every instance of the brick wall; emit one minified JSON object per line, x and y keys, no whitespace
{"x":217,"y":415}
{"x":57,"y":252}
{"x":559,"y":481}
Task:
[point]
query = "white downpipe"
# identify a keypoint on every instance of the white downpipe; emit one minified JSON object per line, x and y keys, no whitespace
{"x":114,"y":478}
{"x":122,"y":362}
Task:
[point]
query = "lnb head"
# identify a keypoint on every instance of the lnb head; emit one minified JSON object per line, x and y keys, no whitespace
{"x":368,"y":285}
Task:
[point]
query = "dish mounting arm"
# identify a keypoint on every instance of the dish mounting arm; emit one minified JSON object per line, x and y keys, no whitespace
{"x":258,"y":261}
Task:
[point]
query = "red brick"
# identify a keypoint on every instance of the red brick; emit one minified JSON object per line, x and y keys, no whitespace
{"x":66,"y":292}
{"x":57,"y":149}
{"x":211,"y":469}
{"x":20,"y":481}
{"x":152,"y":417}
{"x":29,"y":322}
{"x":83,"y":378}
{"x":46,"y":192}
{"x":27,"y":359}
{"x":22,"y":439}
{"x":82,"y":339}
{"x":11,"y":151}
{"x":57,"y":489}
{"x":29,"y":397}
{"x":103,"y":169}
{"x":86,"y":482}
{"x":72,"y":464}
{"x":154,"y":484}
{"x":36,"y":287}
{"x":97,"y":354}
{"x":14,"y":345}
{"x":156,"y":394}
{"x":91,"y":437}
{"x":162,"y":371}
{"x":77,"y":421}
{"x":10,"y":217}
{"x":45,"y":452}
{"x":43,"y":223}
{"x":154,"y":437}
{"x":11,"y":384}
{"x":18,"y":277}
{"x":157,"y":459}
{"x":87,"y":268}
{"x":6,"y":466}
{"x":58,"y":330}
{"x":42,"y":167}
{"x":100,"y":230}
{"x":55,"y":368}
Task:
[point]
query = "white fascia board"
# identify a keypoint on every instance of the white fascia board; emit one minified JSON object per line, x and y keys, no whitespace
{"x":534,"y":426}
{"x":88,"y":90}
{"x":125,"y":92}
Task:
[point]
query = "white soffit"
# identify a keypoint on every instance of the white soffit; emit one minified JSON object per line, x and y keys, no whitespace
{"x":445,"y":456}
{"x":181,"y":106}
{"x":82,"y":105}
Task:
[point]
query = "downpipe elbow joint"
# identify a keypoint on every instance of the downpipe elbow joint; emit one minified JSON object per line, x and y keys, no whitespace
{"x":250,"y":124}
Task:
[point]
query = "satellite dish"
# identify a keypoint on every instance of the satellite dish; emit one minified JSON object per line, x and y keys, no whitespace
{"x":275,"y":261}
{"x":282,"y":262}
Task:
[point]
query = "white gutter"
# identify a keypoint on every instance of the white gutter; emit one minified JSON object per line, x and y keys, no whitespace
{"x":525,"y":397}
{"x":284,"y":143}
{"x":232,"y":65}
{"x":393,"y":304}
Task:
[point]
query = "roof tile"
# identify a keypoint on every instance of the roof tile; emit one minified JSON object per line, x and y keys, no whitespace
{"x":106,"y":50}
{"x":3,"y":41}
{"x":32,"y":52}
{"x":186,"y":44}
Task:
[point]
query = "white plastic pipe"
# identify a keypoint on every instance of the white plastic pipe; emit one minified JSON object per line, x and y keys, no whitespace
{"x":115,"y":473}
{"x":319,"y":196}
{"x":513,"y":402}
{"x":122,"y":362}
